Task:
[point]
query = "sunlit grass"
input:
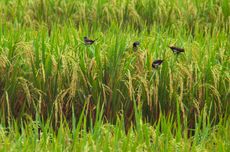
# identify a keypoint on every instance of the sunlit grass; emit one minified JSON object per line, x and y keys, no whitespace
{"x":80,"y":96}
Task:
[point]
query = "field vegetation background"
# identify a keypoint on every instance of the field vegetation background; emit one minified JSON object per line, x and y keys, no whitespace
{"x":58,"y":94}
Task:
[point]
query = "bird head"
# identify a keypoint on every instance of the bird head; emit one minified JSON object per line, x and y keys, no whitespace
{"x":85,"y":37}
{"x":135,"y":44}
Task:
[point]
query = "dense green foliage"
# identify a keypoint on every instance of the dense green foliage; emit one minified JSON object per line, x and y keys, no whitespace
{"x":50,"y":79}
{"x":106,"y":137}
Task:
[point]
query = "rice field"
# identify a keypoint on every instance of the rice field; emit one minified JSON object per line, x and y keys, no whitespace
{"x":126,"y":91}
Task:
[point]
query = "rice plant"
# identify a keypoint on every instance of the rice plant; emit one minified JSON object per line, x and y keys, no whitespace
{"x":170,"y":91}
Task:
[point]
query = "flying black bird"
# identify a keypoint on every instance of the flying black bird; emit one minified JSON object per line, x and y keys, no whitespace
{"x":157,"y":63}
{"x":176,"y":50}
{"x":88,"y":41}
{"x":135,"y":45}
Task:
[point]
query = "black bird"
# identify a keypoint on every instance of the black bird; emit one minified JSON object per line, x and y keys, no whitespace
{"x":88,"y":41}
{"x":157,"y":63}
{"x":176,"y":50}
{"x":135,"y":45}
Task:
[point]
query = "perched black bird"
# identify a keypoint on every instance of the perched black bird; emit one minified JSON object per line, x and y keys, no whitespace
{"x":176,"y":50}
{"x":157,"y":63}
{"x":135,"y":45}
{"x":88,"y":41}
